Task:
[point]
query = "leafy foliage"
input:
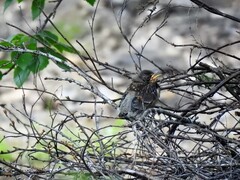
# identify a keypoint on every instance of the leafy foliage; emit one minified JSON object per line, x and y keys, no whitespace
{"x":7,"y":4}
{"x":37,"y":7}
{"x":20,"y":76}
{"x":5,"y":64}
{"x":91,"y":2}
{"x":28,"y":56}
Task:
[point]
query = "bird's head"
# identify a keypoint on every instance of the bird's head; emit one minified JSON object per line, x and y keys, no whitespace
{"x":148,"y":76}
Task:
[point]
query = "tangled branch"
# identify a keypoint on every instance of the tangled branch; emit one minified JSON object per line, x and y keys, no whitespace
{"x":195,"y":138}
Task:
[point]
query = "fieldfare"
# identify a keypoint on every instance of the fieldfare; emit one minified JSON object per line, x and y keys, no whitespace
{"x":140,"y":95}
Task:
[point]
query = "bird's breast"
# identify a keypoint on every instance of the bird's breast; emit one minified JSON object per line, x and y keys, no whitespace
{"x":149,"y":94}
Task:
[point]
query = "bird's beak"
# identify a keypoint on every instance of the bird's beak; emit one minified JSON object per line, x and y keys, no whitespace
{"x":154,"y":77}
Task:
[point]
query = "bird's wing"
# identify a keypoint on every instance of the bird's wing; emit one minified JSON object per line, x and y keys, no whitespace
{"x":137,"y":104}
{"x":126,"y":102}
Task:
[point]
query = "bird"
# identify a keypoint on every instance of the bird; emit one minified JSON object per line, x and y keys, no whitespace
{"x":141,"y":94}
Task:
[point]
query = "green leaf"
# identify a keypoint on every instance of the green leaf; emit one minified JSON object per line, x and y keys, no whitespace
{"x":18,"y":39}
{"x":5,"y":64}
{"x":19,"y":1}
{"x":56,"y":54}
{"x":25,"y":60}
{"x":43,"y":62}
{"x":7,"y":4}
{"x":20,"y":76}
{"x":63,"y":66}
{"x":1,"y":75}
{"x":91,"y":2}
{"x":52,"y":39}
{"x":14,"y":56}
{"x":63,"y":47}
{"x":31,"y":44}
{"x":6,"y":44}
{"x":37,"y":7}
{"x":40,"y":62}
{"x":41,"y":39}
{"x":24,"y":38}
{"x":49,"y":36}
{"x":21,"y":39}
